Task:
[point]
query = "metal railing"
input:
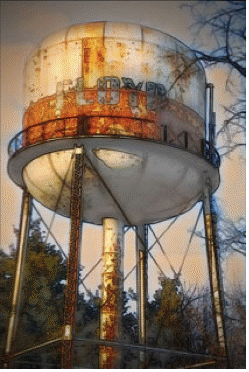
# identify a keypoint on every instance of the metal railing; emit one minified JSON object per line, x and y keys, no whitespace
{"x":76,"y":126}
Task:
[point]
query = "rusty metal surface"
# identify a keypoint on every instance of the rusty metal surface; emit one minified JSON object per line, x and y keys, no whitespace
{"x":107,"y":85}
{"x":73,"y":259}
{"x":110,"y":312}
{"x":178,"y":119}
{"x":121,"y":121}
{"x":115,"y":75}
{"x":96,"y":118}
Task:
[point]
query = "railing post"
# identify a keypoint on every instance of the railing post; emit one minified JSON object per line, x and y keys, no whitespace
{"x":203,"y":147}
{"x":185,"y":139}
{"x":165,"y":133}
{"x":43,"y":131}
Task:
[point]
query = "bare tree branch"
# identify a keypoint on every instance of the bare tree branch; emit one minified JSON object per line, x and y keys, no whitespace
{"x":226,"y":23}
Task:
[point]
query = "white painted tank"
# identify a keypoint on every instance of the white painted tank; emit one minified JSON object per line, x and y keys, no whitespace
{"x":134,"y":97}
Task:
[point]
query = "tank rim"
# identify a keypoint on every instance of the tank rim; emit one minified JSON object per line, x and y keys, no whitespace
{"x":60,"y":144}
{"x":156,"y":172}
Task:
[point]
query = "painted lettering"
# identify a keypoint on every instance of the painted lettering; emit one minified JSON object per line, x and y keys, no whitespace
{"x":108,"y":90}
{"x":129,"y":84}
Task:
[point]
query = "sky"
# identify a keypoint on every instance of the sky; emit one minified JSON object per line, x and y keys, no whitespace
{"x":23,"y":25}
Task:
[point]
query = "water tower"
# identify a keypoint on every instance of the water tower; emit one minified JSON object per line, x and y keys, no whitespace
{"x":117,"y":130}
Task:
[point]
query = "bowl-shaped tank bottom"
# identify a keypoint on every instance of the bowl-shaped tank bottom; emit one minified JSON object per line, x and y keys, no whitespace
{"x":132,"y":180}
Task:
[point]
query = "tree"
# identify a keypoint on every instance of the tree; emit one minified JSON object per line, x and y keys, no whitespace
{"x":41,"y":312}
{"x":87,"y":327}
{"x":224,"y":23}
{"x":168,"y":324}
{"x":232,"y":236}
{"x":236,"y":326}
{"x":180,"y":318}
{"x":7,"y":269}
{"x":41,"y":308}
{"x":203,"y":330}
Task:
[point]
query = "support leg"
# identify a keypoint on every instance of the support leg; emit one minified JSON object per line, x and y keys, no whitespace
{"x":73,"y":259}
{"x":22,"y":245}
{"x":141,"y":274}
{"x":214,"y":272}
{"x":110,"y":314}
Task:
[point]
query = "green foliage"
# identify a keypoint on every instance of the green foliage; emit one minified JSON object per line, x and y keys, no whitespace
{"x":174,"y":320}
{"x":42,"y":303}
{"x":41,"y":311}
{"x":170,"y":301}
{"x":129,"y":320}
{"x":168,"y":325}
{"x":7,"y":270}
{"x":40,"y":314}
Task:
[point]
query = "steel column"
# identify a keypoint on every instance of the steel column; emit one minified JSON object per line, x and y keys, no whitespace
{"x":142,"y":280}
{"x":73,"y":258}
{"x":214,"y":271}
{"x":21,"y":255}
{"x":110,"y":312}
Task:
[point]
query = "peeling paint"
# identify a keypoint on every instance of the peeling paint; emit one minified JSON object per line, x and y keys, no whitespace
{"x":150,"y":56}
{"x":130,"y":117}
{"x":110,"y":314}
{"x":117,"y":82}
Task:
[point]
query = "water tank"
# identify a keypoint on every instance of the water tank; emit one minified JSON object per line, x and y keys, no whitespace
{"x":134,"y":98}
